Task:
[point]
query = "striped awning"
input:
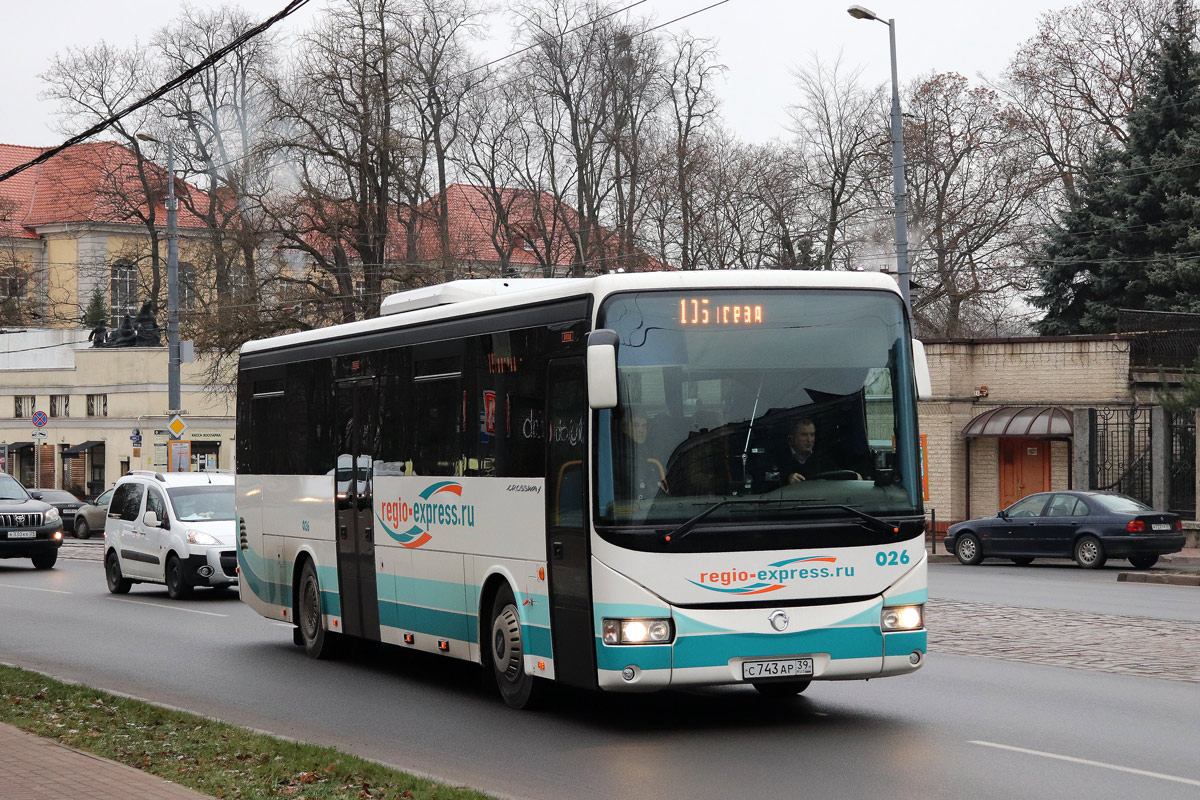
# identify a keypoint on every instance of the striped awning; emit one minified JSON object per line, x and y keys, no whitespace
{"x":1044,"y":422}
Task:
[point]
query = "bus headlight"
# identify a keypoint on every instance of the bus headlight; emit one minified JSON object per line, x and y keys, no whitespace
{"x":902,"y":618}
{"x":636,"y":631}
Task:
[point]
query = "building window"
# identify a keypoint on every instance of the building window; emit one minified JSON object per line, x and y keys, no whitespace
{"x":239,"y":286}
{"x":97,"y":405}
{"x":122,"y":291}
{"x":60,"y":405}
{"x":360,"y":291}
{"x":14,"y":284}
{"x":24,"y":406}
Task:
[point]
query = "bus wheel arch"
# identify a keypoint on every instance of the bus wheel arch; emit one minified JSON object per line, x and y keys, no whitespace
{"x":487,"y":598}
{"x":506,"y":647}
{"x":307,"y":611}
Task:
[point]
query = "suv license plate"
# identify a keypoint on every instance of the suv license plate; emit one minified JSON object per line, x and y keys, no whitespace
{"x":22,"y":534}
{"x":777,"y":668}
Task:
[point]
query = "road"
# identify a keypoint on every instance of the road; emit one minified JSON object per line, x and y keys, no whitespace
{"x":986,"y":725}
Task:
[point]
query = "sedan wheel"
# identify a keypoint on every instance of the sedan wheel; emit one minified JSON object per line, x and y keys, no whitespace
{"x":1089,"y":553}
{"x":1143,"y":562}
{"x":968,"y":550}
{"x":82,"y":531}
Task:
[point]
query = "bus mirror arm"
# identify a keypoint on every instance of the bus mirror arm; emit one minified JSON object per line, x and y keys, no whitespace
{"x":602,"y":368}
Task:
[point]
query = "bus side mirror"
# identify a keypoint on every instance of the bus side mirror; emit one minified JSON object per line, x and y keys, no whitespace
{"x":602,"y":368}
{"x":921,"y":370}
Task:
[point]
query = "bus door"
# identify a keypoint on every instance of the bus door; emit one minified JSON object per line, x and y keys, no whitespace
{"x":572,"y":630}
{"x":355,"y":429}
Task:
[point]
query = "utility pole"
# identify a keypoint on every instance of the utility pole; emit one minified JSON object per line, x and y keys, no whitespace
{"x":172,"y":287}
{"x":898,"y":188}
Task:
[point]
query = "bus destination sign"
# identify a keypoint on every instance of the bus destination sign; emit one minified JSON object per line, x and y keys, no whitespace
{"x":699,"y":311}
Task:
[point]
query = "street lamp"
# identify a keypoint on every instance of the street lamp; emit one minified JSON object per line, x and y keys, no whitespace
{"x":172,"y":281}
{"x":858,"y":12}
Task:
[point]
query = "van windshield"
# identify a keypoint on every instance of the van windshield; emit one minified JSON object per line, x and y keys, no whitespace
{"x":203,"y":503}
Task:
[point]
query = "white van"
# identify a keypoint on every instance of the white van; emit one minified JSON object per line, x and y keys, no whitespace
{"x":175,"y":528}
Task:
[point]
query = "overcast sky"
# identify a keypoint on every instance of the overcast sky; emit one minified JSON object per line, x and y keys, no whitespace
{"x":760,"y":41}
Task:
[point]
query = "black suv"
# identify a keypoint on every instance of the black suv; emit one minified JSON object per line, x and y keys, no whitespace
{"x":28,"y":528}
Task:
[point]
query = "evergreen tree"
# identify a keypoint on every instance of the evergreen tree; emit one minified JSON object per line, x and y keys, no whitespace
{"x":1134,"y":241}
{"x":96,"y":312}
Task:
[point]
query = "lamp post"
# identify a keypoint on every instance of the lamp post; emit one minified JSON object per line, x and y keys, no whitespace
{"x":901,"y":218}
{"x":172,"y":282}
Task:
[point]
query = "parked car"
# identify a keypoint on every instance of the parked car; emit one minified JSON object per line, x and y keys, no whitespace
{"x":1090,"y":527}
{"x":90,"y":517}
{"x":29,"y":528}
{"x":66,"y":503}
{"x":175,"y":528}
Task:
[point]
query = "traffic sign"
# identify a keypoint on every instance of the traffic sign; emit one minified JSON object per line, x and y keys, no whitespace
{"x":135,"y":432}
{"x":177,"y":426}
{"x":40,"y":419}
{"x":39,"y":434}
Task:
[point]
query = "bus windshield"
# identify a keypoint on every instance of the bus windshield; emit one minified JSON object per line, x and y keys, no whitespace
{"x":796,"y":399}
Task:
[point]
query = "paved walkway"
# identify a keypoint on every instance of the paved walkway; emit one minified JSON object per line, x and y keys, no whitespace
{"x":34,"y":768}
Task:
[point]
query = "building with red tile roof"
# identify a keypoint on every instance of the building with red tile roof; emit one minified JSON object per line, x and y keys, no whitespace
{"x":64,"y":223}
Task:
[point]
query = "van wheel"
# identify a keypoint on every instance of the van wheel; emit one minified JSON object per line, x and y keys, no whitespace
{"x":177,"y":586}
{"x":318,"y":642}
{"x":117,"y":583}
{"x":45,"y":560}
{"x":508,"y":652}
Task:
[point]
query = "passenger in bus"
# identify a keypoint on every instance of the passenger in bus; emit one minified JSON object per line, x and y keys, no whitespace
{"x":645,"y":478}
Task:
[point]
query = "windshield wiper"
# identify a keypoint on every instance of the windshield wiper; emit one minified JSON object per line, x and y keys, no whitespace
{"x":686,"y":527}
{"x":875,"y":523}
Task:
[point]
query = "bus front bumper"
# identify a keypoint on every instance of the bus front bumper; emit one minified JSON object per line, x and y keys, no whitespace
{"x":723,"y":646}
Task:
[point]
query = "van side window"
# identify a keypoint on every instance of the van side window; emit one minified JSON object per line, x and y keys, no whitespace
{"x":156,"y":503}
{"x":132,"y":501}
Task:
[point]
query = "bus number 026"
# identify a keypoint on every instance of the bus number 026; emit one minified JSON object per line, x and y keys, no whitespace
{"x":891,"y":558}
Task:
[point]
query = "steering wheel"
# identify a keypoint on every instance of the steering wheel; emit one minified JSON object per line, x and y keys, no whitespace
{"x":837,"y":475}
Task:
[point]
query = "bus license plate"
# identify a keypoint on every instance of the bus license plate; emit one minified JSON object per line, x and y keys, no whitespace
{"x":777,"y":668}
{"x":22,"y":534}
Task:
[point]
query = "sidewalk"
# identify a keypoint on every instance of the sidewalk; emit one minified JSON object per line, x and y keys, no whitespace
{"x":1187,"y":558}
{"x":34,"y":768}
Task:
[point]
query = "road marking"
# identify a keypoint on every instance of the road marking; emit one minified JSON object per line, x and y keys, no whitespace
{"x":1090,"y":763}
{"x":168,"y":608}
{"x":32,"y":588}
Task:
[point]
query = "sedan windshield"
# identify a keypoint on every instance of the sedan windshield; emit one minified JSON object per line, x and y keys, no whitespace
{"x":11,"y":490}
{"x":786,"y":396}
{"x":203,"y":503}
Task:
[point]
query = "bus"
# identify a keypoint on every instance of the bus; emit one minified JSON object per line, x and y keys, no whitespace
{"x":606,"y":482}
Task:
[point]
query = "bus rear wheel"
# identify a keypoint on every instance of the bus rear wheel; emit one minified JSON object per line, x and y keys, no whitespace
{"x":508,"y":652}
{"x":318,"y":642}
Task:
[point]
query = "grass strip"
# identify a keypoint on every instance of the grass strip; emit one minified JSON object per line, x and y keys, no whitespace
{"x":211,"y":757}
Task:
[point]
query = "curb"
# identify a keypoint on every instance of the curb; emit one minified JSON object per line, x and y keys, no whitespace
{"x":1146,"y":577}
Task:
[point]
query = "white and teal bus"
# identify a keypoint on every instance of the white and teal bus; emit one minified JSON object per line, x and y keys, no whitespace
{"x":628,"y":483}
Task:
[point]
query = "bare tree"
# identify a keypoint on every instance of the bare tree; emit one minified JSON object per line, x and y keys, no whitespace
{"x":337,"y":107}
{"x":690,"y":72}
{"x":94,"y":83}
{"x":1077,"y":79}
{"x":971,"y":175}
{"x":838,"y":125}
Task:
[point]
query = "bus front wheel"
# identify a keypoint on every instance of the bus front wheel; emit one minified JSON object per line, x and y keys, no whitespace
{"x":508,"y":652}
{"x":318,"y":642}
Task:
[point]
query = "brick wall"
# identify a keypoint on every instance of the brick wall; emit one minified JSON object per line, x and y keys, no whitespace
{"x":1074,"y":372}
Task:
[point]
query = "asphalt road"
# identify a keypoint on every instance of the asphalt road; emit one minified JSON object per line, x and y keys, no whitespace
{"x":964,"y":726}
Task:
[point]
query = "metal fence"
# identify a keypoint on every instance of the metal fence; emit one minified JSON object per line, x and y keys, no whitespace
{"x":1120,"y":452}
{"x":1160,"y":338}
{"x":1181,"y":464}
